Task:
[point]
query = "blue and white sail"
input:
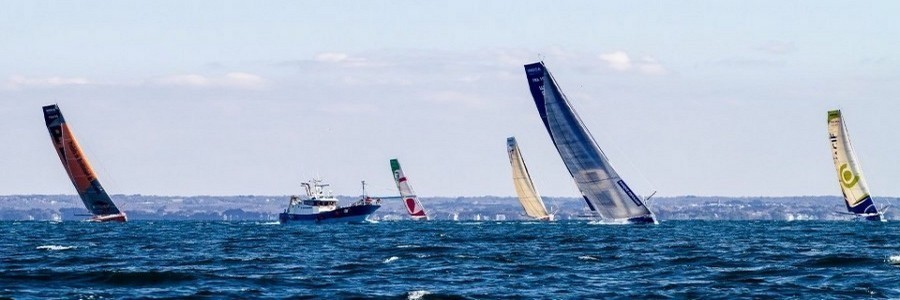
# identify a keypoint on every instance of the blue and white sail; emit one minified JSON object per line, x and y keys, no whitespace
{"x":605,"y":192}
{"x":850,"y":177}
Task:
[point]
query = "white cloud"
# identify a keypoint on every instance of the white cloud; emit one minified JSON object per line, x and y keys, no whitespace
{"x":650,"y":66}
{"x":331,"y":57}
{"x":621,"y":61}
{"x":618,"y":60}
{"x":19,"y":82}
{"x":236,"y":80}
{"x":346,"y":60}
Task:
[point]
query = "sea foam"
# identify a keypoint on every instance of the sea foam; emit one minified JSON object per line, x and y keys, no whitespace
{"x":55,"y":247}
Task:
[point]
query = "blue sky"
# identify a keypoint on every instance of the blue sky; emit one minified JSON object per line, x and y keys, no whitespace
{"x":221,"y":98}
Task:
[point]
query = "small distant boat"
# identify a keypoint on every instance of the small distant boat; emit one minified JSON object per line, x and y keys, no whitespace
{"x":602,"y":188}
{"x":850,"y":178}
{"x":320,"y":206}
{"x":92,"y":194}
{"x":528,"y":196}
{"x":413,"y":205}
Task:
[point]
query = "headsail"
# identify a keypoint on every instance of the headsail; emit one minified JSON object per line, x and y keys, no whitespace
{"x":529,"y":198}
{"x":850,"y":177}
{"x":95,"y":198}
{"x":411,"y":201}
{"x":602,"y":188}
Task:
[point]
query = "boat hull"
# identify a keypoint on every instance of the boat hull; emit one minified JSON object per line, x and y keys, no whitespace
{"x":120,"y":218}
{"x":648,"y":219}
{"x":351,"y":214}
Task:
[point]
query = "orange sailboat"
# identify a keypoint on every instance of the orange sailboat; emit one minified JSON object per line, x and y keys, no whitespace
{"x":95,"y":198}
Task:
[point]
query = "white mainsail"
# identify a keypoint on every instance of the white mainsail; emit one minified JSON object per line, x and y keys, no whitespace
{"x":529,"y":198}
{"x":850,"y":177}
{"x":605,"y":192}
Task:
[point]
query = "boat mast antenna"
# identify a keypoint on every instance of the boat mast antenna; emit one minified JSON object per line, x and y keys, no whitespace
{"x":364,"y":188}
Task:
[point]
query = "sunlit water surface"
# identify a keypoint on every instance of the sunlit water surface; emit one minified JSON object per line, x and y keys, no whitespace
{"x":568,"y":259}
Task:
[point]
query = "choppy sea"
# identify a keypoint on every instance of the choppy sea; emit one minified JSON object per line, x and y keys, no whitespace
{"x":438,"y":259}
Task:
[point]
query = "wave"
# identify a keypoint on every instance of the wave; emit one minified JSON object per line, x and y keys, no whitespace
{"x":609,"y":222}
{"x":391,"y":259}
{"x":55,"y":247}
{"x":894,"y":259}
{"x":588,"y":257}
{"x":416,"y":295}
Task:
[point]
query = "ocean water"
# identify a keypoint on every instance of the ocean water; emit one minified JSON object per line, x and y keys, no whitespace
{"x":423,"y":260}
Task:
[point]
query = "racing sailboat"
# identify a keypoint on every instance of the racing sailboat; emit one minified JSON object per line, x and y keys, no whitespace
{"x":92,"y":194}
{"x":850,"y":177}
{"x":605,"y":192}
{"x":411,"y":201}
{"x":529,"y":198}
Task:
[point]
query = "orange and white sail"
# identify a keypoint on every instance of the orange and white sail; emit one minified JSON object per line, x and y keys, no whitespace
{"x":92,"y":194}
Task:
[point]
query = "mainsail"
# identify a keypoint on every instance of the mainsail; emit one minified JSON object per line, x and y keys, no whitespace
{"x":850,"y":177}
{"x":79,"y":169}
{"x":413,"y":206}
{"x":528,"y":196}
{"x":604,"y":191}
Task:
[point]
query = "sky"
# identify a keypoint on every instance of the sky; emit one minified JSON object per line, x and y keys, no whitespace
{"x":713,"y":98}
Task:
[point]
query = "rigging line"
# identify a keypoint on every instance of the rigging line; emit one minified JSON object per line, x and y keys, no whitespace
{"x":614,"y":146}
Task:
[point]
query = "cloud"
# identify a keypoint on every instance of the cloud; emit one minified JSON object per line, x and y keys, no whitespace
{"x":234,"y":80}
{"x":20,"y":82}
{"x":777,"y":47}
{"x":651,"y":66}
{"x":618,"y":60}
{"x":621,"y":61}
{"x":346,"y":60}
{"x":331,"y":57}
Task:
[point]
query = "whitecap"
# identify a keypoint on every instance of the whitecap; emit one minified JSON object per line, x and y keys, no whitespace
{"x":268,"y":223}
{"x":55,"y":247}
{"x":894,"y":259}
{"x":390,"y":259}
{"x":587,"y":257}
{"x":415,"y":295}
{"x":609,"y":222}
{"x":407,"y":246}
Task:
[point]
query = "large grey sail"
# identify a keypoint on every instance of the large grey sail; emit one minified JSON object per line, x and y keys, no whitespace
{"x":605,"y":192}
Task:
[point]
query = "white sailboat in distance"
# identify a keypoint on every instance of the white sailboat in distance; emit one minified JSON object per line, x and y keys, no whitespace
{"x":528,"y":196}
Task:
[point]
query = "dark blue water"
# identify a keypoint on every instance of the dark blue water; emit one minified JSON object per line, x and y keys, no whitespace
{"x":676,"y":259}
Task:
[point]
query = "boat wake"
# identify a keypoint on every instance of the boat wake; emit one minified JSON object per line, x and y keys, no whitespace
{"x":415,"y":295}
{"x":268,"y":223}
{"x":609,"y":222}
{"x":55,"y":247}
{"x":894,"y":260}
